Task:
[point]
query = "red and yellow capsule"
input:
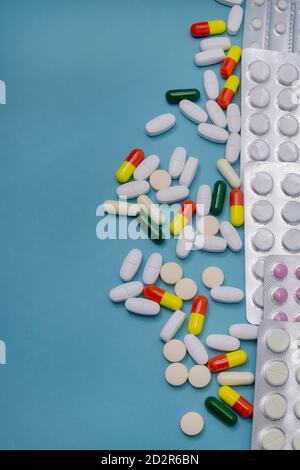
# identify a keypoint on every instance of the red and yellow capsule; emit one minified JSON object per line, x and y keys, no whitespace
{"x":197,"y":315}
{"x":129,"y":165}
{"x":208,"y":28}
{"x":227,"y":361}
{"x":227,"y":94}
{"x":183,"y":217}
{"x":231,"y":61}
{"x":236,"y":401}
{"x":237,"y":207}
{"x":162,"y":297}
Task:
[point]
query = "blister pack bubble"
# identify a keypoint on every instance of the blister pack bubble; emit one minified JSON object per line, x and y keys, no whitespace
{"x":276,"y":418}
{"x":270,"y":93}
{"x":282,"y":288}
{"x":270,"y":189}
{"x":272,"y":24}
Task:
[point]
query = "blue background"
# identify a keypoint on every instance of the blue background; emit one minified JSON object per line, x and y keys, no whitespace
{"x":83,"y":77}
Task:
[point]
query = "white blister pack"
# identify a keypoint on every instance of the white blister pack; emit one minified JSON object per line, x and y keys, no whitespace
{"x":282,"y":287}
{"x":270,"y":228}
{"x":272,"y":24}
{"x":270,"y":95}
{"x":276,"y":418}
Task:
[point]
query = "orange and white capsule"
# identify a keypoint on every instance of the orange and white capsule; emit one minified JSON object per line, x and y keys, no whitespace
{"x":231,"y":61}
{"x":129,"y":165}
{"x":197,"y":315}
{"x":236,"y":401}
{"x":208,"y":28}
{"x":227,"y":94}
{"x":183,"y":217}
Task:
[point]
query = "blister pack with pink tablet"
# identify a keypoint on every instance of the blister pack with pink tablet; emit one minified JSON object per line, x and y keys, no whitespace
{"x":282,"y":288}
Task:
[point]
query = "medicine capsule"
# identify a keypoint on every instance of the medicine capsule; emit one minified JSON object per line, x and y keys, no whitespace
{"x":153,"y":230}
{"x":218,"y":198}
{"x":236,"y":401}
{"x":129,"y":165}
{"x":208,"y":28}
{"x":175,"y":96}
{"x":227,"y":361}
{"x":162,"y":297}
{"x":183,"y":217}
{"x":220,"y":410}
{"x":227,"y":94}
{"x":197,"y":315}
{"x":237,"y":207}
{"x":231,"y":61}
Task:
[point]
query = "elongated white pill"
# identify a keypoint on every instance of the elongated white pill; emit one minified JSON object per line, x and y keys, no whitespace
{"x":172,"y":194}
{"x":215,"y":43}
{"x":160,"y":124}
{"x":213,"y":133}
{"x":231,"y":235}
{"x":210,"y":57}
{"x":130,"y":265}
{"x":222,"y":342}
{"x":189,"y":172}
{"x":121,"y":208}
{"x":192,"y":111}
{"x":234,"y":118}
{"x":172,"y":326}
{"x":141,"y":306}
{"x":228,"y":173}
{"x":126,"y":291}
{"x":211,"y":84}
{"x":177,"y":162}
{"x":216,"y":113}
{"x":203,"y":200}
{"x":235,"y":378}
{"x":151,"y":209}
{"x":210,"y":243}
{"x":234,"y":20}
{"x":196,"y":349}
{"x":233,"y":148}
{"x":146,"y":167}
{"x":227,"y":295}
{"x":244,"y":331}
{"x":231,"y":3}
{"x":152,"y":268}
{"x":185,"y":242}
{"x":133,"y":189}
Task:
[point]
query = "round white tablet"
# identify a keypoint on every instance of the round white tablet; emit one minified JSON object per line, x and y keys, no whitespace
{"x":288,"y":152}
{"x":291,"y":185}
{"x":186,"y":289}
{"x":291,"y":241}
{"x":280,"y":27}
{"x":291,"y":212}
{"x":274,"y":406}
{"x":258,"y":268}
{"x":160,"y":179}
{"x":298,"y":375}
{"x":259,"y":124}
{"x":259,"y":71}
{"x":176,"y":374}
{"x":278,"y":340}
{"x":287,"y":100}
{"x":262,"y":211}
{"x":287,"y":74}
{"x":259,"y":150}
{"x":256,"y":24}
{"x":276,"y":373}
{"x":192,"y":423}
{"x":212,"y":277}
{"x":296,"y":441}
{"x":258,"y":297}
{"x":297,"y":408}
{"x":208,"y":225}
{"x":263,"y":240}
{"x":282,"y":5}
{"x":288,"y":125}
{"x":259,"y":97}
{"x":171,"y":273}
{"x":199,"y":376}
{"x":174,"y":350}
{"x":262,"y":184}
{"x":272,"y":439}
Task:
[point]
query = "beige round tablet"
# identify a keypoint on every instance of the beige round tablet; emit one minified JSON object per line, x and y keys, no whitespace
{"x":278,"y":340}
{"x":272,"y":439}
{"x":276,"y":373}
{"x":297,"y":408}
{"x":186,"y":289}
{"x":176,"y":374}
{"x":208,"y":225}
{"x":212,"y":277}
{"x":274,"y":406}
{"x":192,"y":423}
{"x":199,"y":376}
{"x":174,"y":350}
{"x":171,"y":273}
{"x":160,"y":179}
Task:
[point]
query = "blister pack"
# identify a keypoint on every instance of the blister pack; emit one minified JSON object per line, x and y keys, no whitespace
{"x":272,"y":223}
{"x":272,"y":24}
{"x":270,"y":106}
{"x":282,"y":287}
{"x":276,"y":419}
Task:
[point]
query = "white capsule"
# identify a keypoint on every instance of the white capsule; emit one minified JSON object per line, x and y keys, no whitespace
{"x":172,"y":326}
{"x":160,"y":124}
{"x":152,"y":268}
{"x":215,"y":43}
{"x":228,"y":173}
{"x":235,"y":378}
{"x":231,"y":3}
{"x":231,"y":235}
{"x":146,"y":168}
{"x":213,"y":133}
{"x":227,"y":295}
{"x":185,"y":242}
{"x":210,"y":57}
{"x":172,"y":194}
{"x":233,"y":148}
{"x":244,"y":331}
{"x":222,"y":342}
{"x":133,"y":189}
{"x":211,"y":84}
{"x":121,"y":208}
{"x":189,"y":172}
{"x":203,"y":200}
{"x":196,"y":349}
{"x":234,"y":118}
{"x":177,"y":162}
{"x":216,"y":113}
{"x":126,"y":291}
{"x":234,"y":20}
{"x":192,"y":111}
{"x":142,"y":306}
{"x":130,"y":265}
{"x":151,"y":209}
{"x":210,"y":243}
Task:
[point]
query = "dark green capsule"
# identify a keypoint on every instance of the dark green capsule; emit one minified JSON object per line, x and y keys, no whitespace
{"x":218,"y":198}
{"x":220,"y":410}
{"x":174,"y":96}
{"x":153,"y":230}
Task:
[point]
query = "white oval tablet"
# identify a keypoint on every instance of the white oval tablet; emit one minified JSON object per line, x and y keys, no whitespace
{"x":174,"y":350}
{"x":131,"y":265}
{"x":272,"y":439}
{"x":146,"y":167}
{"x":213,"y":133}
{"x":172,"y":194}
{"x":226,"y":294}
{"x":228,"y":173}
{"x":121,"y":208}
{"x":133,"y":189}
{"x":160,"y":179}
{"x":231,"y":235}
{"x":244,"y":331}
{"x":189,"y":172}
{"x":160,"y":124}
{"x":222,"y":342}
{"x":216,"y":113}
{"x":192,"y":111}
{"x":203,"y":200}
{"x":212,"y":277}
{"x":291,"y":185}
{"x":234,"y":118}
{"x":274,"y":406}
{"x":151,"y":209}
{"x":196,"y":349}
{"x":233,"y":148}
{"x":211,"y":84}
{"x":185,"y":242}
{"x":215,"y":43}
{"x":172,"y":325}
{"x":152,"y":268}
{"x":141,"y":306}
{"x":176,"y":374}
{"x":199,"y":376}
{"x":209,"y":57}
{"x":208,"y":225}
{"x":210,"y":243}
{"x":126,"y":291}
{"x":177,"y":162}
{"x":171,"y":273}
{"x":276,"y":373}
{"x":234,"y":20}
{"x":186,"y":289}
{"x":235,"y":378}
{"x":192,"y":423}
{"x":278,"y":340}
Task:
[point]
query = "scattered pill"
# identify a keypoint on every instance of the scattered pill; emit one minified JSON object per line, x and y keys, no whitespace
{"x":176,"y":374}
{"x":236,"y":401}
{"x":193,"y":111}
{"x":171,"y":273}
{"x":208,"y":225}
{"x":233,"y":148}
{"x":274,"y":406}
{"x":197,"y":315}
{"x":227,"y":94}
{"x":191,"y":423}
{"x":177,"y":162}
{"x":234,"y":20}
{"x":216,"y":114}
{"x":244,"y":331}
{"x":210,"y":243}
{"x":133,"y":189}
{"x":146,"y":168}
{"x":218,"y":198}
{"x":199,"y":376}
{"x":276,"y":373}
{"x":152,"y":229}
{"x":126,"y":291}
{"x":196,"y":349}
{"x":278,"y":340}
{"x":185,"y":242}
{"x":213,"y":133}
{"x":227,"y":361}
{"x":237,"y":207}
{"x":231,"y":235}
{"x":165,"y":299}
{"x":175,"y":96}
{"x":152,"y":268}
{"x":234,"y":118}
{"x":215,"y":43}
{"x":211,"y":85}
{"x":208,"y":28}
{"x":174,"y":350}
{"x":186,"y":289}
{"x":151,"y":209}
{"x":203,"y":200}
{"x":222,"y":342}
{"x":131,"y":265}
{"x":129,"y":166}
{"x":121,"y":208}
{"x":141,"y":306}
{"x":212,"y":277}
{"x":235,"y":378}
{"x":226,"y":294}
{"x":160,"y":124}
{"x":272,"y":439}
{"x":228,"y":173}
{"x":182,"y":217}
{"x":210,"y":57}
{"x":172,"y":326}
{"x":189,"y":172}
{"x":220,"y":411}
{"x":172,"y":194}
{"x":231,"y":61}
{"x":160,"y":179}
